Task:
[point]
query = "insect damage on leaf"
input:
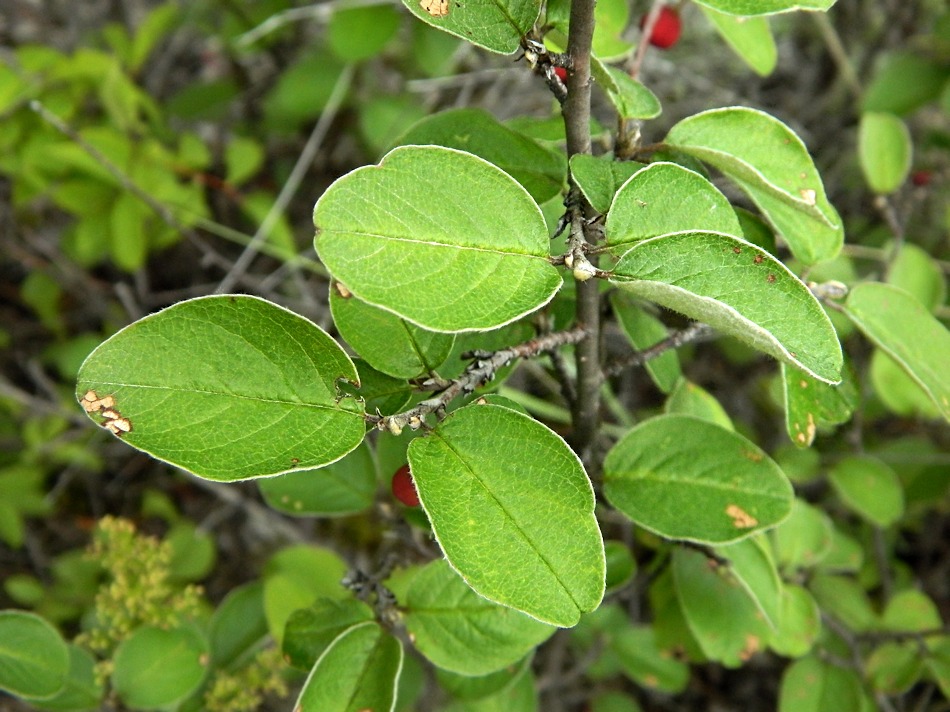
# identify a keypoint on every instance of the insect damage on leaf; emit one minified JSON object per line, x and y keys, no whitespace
{"x":114,"y":421}
{"x":740,"y":518}
{"x":436,"y":8}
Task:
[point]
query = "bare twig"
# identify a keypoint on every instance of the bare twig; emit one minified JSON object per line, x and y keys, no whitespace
{"x":479,"y":372}
{"x":289,"y":189}
{"x":693,"y":332}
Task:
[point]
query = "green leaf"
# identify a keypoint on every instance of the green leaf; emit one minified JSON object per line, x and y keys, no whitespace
{"x":810,"y":685}
{"x":495,"y":25}
{"x":387,"y":343}
{"x":687,"y":398}
{"x":750,"y":38}
{"x":356,"y":33}
{"x":904,"y":81}
{"x":884,"y":151}
{"x":156,"y":668}
{"x":641,"y":208}
{"x":799,"y":622}
{"x":599,"y":178}
{"x":630,"y":98}
{"x":302,"y":91}
{"x":227,"y":387}
{"x":513,"y":510}
{"x":458,"y":630}
{"x":243,"y":157}
{"x":810,"y":240}
{"x":34,"y":658}
{"x":540,"y":170}
{"x":750,"y":561}
{"x":685,"y":478}
{"x":737,"y":288}
{"x":83,"y":690}
{"x":898,"y":392}
{"x":911,"y":610}
{"x":465,"y":687}
{"x":915,"y":271}
{"x":294,"y":578}
{"x":238,"y":626}
{"x":805,"y":538}
{"x":520,"y":696}
{"x":731,"y":630}
{"x":310,"y":631}
{"x":843,"y":598}
{"x":345,"y":487}
{"x":359,"y":671}
{"x":870,"y":488}
{"x":771,"y":163}
{"x":193,"y":552}
{"x":611,"y":18}
{"x":765,"y":7}
{"x":403,"y":237}
{"x":810,"y":404}
{"x":893,"y":668}
{"x":902,"y":327}
{"x":621,"y":566}
{"x":128,"y":239}
{"x":644,"y":662}
{"x":644,"y":330}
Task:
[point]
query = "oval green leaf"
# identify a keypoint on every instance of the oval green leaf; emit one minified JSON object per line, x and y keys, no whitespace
{"x":811,"y":685}
{"x":769,"y":161}
{"x":238,"y":626}
{"x":600,"y":177}
{"x":902,"y":327}
{"x":731,"y":630}
{"x":358,"y":672}
{"x":810,"y":404}
{"x":513,"y":510}
{"x":870,"y":488}
{"x":884,"y":151}
{"x":765,"y":7}
{"x":630,"y":98}
{"x":915,"y":271}
{"x":345,"y":487}
{"x":34,"y":658}
{"x":799,"y":623}
{"x":458,"y":630}
{"x":540,"y":170}
{"x":83,"y":689}
{"x":387,"y":343}
{"x":155,"y":668}
{"x":750,"y":38}
{"x":226,"y":387}
{"x":663,"y":198}
{"x":310,"y":631}
{"x":685,"y":478}
{"x":751,"y":562}
{"x":495,"y":25}
{"x":439,"y":237}
{"x":737,"y":288}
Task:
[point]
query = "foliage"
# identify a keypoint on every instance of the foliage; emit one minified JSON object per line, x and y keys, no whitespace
{"x":566,"y":333}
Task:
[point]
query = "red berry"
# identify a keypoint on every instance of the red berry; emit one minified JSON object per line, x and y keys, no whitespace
{"x":666,"y":31}
{"x":561,"y":74}
{"x":404,"y":489}
{"x":921,"y":178}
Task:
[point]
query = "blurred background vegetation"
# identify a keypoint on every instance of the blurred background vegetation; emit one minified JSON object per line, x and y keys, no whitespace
{"x":152,"y":151}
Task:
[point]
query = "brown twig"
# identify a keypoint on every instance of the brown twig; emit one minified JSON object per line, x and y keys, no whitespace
{"x":479,"y":372}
